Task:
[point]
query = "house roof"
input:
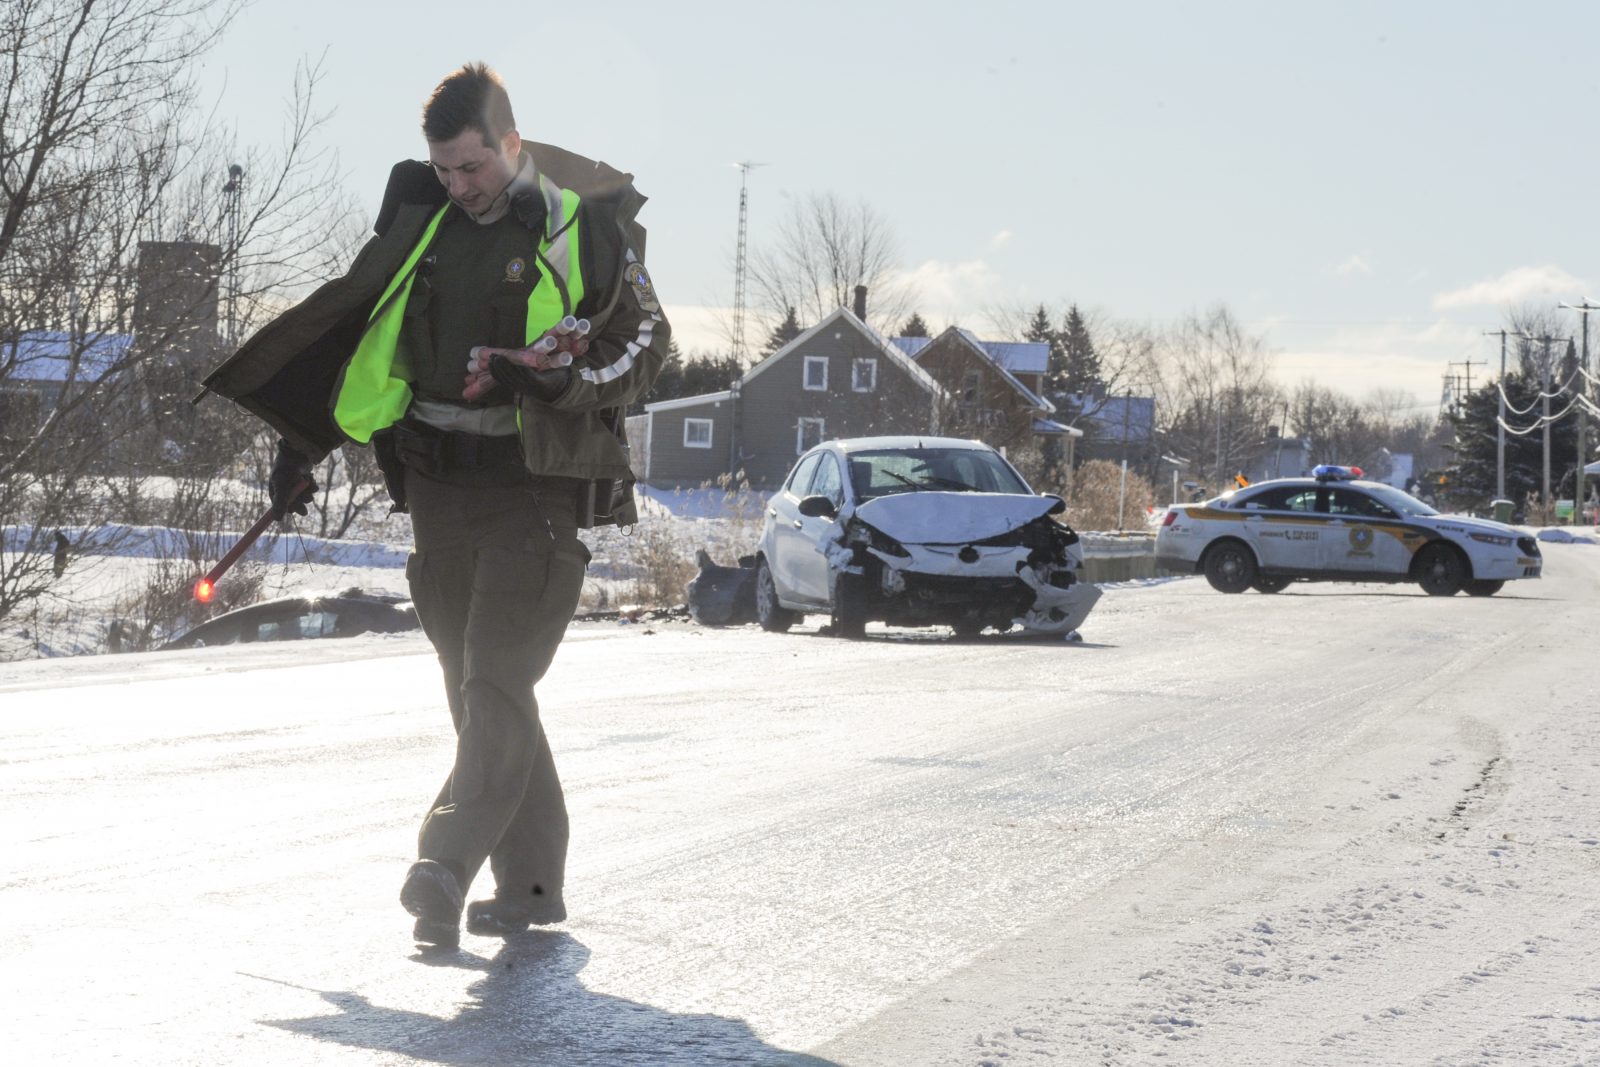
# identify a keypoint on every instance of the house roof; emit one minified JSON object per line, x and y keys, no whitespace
{"x":1051,"y":426}
{"x":1018,"y":357}
{"x":46,"y":355}
{"x":845,"y":316}
{"x":1112,"y":413}
{"x":978,"y":348}
{"x":688,"y":401}
{"x":911,"y":346}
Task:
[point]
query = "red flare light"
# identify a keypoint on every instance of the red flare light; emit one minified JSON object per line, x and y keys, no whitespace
{"x":204,"y":591}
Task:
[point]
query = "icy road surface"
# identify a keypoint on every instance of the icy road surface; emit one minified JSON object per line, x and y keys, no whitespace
{"x":1340,"y":825}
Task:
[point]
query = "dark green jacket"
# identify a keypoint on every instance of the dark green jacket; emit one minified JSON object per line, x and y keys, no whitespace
{"x":288,"y":371}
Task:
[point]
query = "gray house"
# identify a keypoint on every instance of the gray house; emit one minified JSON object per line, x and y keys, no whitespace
{"x":840,"y":378}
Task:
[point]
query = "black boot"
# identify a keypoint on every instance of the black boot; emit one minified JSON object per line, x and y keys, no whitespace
{"x":434,"y":896}
{"x":504,"y":917}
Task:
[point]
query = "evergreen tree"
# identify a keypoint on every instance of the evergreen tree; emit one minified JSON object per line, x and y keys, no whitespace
{"x":1039,"y":327}
{"x":782,"y":334}
{"x":1055,"y":375}
{"x":1080,"y":361}
{"x":915,"y":327}
{"x":1469,"y":479}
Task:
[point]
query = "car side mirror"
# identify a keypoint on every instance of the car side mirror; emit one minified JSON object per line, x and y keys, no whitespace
{"x":1058,"y":507}
{"x":817,"y":507}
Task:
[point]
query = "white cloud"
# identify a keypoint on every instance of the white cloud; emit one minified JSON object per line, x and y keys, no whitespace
{"x":953,"y":292}
{"x":1356,"y":264}
{"x":1359,"y":358}
{"x":1001,"y":239}
{"x":1521,"y":283}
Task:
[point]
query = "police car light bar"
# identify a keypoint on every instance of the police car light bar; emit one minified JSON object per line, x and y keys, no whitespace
{"x":1328,"y":472}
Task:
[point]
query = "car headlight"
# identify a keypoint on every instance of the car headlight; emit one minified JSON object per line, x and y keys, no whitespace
{"x":1492,"y":539}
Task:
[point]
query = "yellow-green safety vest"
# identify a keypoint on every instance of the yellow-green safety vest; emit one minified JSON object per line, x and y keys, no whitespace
{"x":375,"y":390}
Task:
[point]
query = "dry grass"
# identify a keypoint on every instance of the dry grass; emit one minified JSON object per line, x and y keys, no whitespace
{"x":1096,"y":490}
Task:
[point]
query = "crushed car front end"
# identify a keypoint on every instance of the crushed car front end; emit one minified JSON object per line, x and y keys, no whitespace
{"x":966,"y":560}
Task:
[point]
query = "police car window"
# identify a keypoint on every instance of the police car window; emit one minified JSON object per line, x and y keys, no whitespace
{"x":1285,"y":498}
{"x":1350,"y":502}
{"x":827,"y":482}
{"x":800,"y":480}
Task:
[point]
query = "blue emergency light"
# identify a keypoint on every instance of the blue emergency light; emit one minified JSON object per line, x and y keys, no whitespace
{"x":1329,"y":472}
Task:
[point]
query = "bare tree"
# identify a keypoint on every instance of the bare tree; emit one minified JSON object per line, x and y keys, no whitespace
{"x":1214,"y":395}
{"x":104,"y":150}
{"x":1529,"y":324}
{"x":824,"y":249}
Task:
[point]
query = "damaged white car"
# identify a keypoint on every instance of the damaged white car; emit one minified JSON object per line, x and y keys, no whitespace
{"x":917,"y":531}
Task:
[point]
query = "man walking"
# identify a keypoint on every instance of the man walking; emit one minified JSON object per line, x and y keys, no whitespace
{"x":501,"y":448}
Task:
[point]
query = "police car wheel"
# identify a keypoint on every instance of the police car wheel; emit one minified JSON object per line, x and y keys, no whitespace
{"x":772,"y":617}
{"x":1484,"y":587}
{"x":1230,"y":566}
{"x":1440,"y":569}
{"x":1263,"y":584}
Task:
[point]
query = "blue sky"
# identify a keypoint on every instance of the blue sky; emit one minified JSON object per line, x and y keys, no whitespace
{"x":1369,"y":185}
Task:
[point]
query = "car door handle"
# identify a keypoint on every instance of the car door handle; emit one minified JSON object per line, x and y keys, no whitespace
{"x":773,"y":512}
{"x":798,"y":525}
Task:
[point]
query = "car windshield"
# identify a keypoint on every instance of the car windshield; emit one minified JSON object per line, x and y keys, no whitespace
{"x":908,"y":470}
{"x":1402,"y":502}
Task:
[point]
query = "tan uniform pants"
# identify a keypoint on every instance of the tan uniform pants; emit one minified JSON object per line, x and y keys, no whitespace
{"x":495,"y":577}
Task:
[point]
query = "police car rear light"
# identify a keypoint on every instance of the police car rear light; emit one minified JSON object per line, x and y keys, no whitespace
{"x":1170,"y":517}
{"x":1329,"y":472}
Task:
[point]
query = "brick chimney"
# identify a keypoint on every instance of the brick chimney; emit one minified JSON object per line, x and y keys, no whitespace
{"x":860,"y":306}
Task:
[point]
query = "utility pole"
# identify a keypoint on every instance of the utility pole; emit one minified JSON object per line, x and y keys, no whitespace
{"x":739,"y":259}
{"x":1500,"y":444}
{"x":1583,"y":415}
{"x":1544,"y":397}
{"x":232,"y":195}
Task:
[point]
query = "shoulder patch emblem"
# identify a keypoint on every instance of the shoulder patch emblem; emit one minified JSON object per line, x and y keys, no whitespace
{"x":644,"y":292}
{"x":515,"y":268}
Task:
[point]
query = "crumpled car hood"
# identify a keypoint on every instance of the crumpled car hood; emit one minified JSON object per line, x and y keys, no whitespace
{"x":939,"y":518}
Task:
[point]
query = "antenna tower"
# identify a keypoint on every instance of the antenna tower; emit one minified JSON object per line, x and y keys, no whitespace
{"x":739,"y":258}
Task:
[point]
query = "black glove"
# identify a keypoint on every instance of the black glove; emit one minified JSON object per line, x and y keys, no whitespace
{"x":543,"y":385}
{"x":289,"y":469}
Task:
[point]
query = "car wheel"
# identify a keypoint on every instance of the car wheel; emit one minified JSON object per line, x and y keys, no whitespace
{"x":1484,"y":587}
{"x":773,"y":617}
{"x":1230,"y":566}
{"x":849,"y":606}
{"x":1440,"y":569}
{"x":1264,"y":584}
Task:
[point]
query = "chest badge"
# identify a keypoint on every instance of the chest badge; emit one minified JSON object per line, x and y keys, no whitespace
{"x":515,"y":269}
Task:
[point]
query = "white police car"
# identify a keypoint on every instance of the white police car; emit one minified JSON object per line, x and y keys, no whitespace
{"x":1335,"y":527}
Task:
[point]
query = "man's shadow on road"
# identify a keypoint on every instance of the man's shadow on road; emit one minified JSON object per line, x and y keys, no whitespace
{"x":530,"y":1008}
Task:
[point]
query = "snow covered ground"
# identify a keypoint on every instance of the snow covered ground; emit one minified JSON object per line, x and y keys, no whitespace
{"x":111,"y":573}
{"x":1340,"y":825}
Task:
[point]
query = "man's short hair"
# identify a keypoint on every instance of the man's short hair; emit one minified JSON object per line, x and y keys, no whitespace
{"x":472,"y":98}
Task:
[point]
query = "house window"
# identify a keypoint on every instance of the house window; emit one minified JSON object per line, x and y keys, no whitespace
{"x":816,"y":373}
{"x":864,"y":375}
{"x":697,"y":433}
{"x":808,"y":433}
{"x":970,"y":382}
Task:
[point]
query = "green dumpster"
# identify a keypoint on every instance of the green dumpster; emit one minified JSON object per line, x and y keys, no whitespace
{"x":1502,"y":510}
